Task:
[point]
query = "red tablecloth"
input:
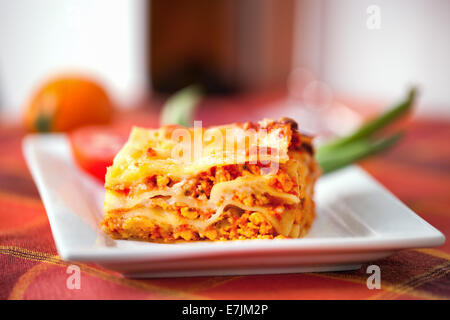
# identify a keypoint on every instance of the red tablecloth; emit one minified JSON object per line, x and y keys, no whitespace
{"x":417,"y":171}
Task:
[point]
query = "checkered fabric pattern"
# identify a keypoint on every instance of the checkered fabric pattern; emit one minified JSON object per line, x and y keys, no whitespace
{"x":417,"y":171}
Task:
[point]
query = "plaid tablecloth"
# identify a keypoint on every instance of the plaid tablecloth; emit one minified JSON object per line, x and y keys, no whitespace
{"x":417,"y":171}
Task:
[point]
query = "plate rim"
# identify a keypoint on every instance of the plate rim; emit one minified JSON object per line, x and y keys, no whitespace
{"x":342,"y":245}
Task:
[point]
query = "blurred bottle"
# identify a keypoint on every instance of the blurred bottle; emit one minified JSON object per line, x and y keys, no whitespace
{"x":226,"y":46}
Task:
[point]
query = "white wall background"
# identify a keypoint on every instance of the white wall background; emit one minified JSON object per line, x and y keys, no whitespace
{"x":104,"y":38}
{"x":412,"y":46}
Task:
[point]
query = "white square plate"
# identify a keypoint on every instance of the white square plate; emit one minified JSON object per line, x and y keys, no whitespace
{"x":357,"y":221}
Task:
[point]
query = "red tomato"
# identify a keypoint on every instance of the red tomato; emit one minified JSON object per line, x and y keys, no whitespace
{"x":95,"y":147}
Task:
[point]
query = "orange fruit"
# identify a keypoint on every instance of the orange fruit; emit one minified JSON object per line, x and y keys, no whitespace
{"x":66,"y":103}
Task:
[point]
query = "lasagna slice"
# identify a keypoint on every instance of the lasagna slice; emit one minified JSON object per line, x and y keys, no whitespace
{"x":239,"y":181}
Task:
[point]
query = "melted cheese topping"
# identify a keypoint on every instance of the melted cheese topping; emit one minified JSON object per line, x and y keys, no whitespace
{"x":186,"y":152}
